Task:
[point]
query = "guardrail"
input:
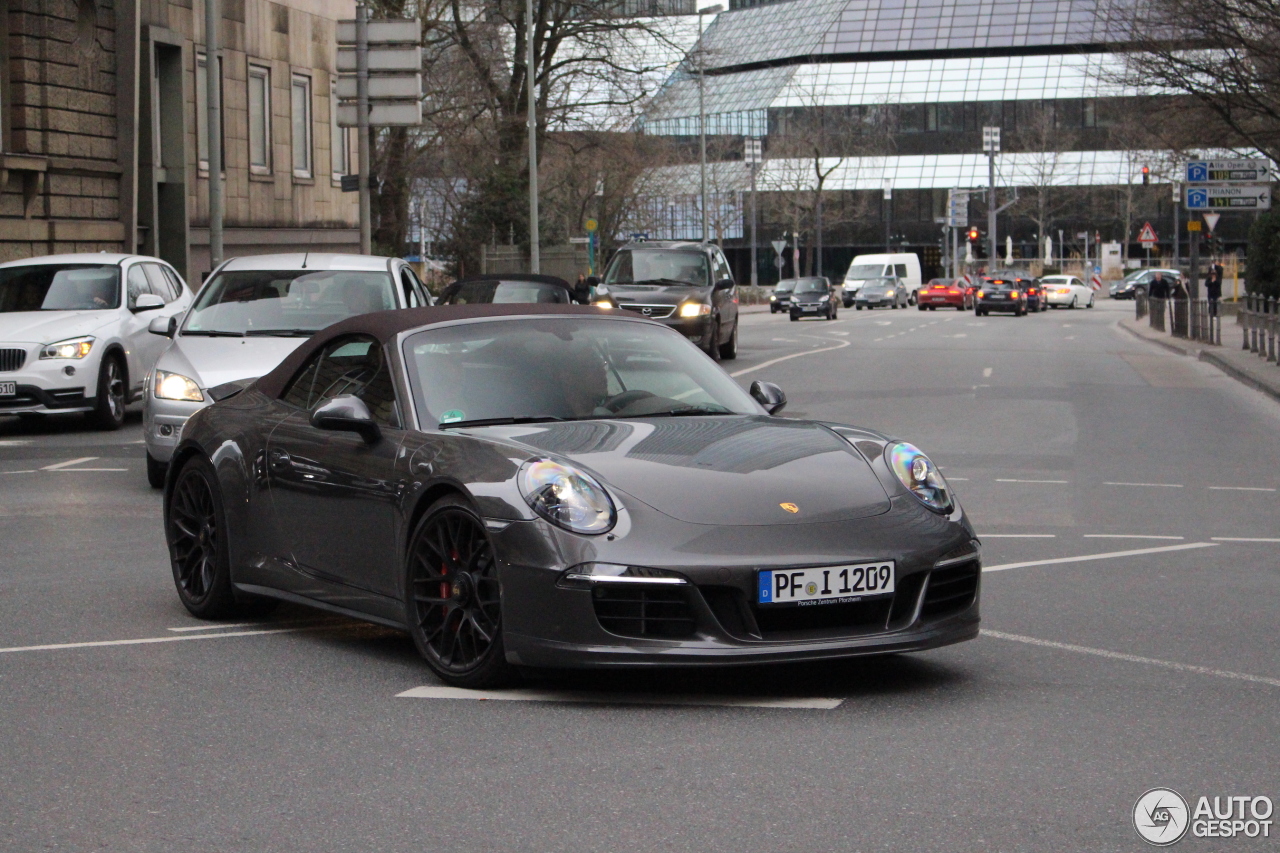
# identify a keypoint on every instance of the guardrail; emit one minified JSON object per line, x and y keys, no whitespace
{"x":1260,"y":323}
{"x":1190,"y":319}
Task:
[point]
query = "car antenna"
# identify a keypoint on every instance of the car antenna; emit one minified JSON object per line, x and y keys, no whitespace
{"x":305,"y":255}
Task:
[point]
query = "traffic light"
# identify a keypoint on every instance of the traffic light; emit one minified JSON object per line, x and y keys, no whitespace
{"x":974,"y":235}
{"x":1146,"y":175}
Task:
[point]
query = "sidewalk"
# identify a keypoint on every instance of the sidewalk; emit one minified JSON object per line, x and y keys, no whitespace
{"x":1238,"y":363}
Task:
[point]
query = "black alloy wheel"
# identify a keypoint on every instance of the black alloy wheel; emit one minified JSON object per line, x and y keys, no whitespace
{"x":729,"y":349}
{"x":108,"y":410}
{"x":454,"y":600}
{"x":196,"y":528}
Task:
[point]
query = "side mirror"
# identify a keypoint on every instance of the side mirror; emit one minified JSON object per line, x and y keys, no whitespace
{"x":147,"y":302}
{"x":346,"y":414}
{"x":724,"y":284}
{"x":165,"y":327}
{"x":768,"y":395}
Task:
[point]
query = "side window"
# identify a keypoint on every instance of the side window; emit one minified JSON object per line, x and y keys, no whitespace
{"x":136,"y":284}
{"x":175,"y":281}
{"x":346,"y":366}
{"x":159,"y":283}
{"x":900,"y":270}
{"x":722,"y":270}
{"x":410,"y":292}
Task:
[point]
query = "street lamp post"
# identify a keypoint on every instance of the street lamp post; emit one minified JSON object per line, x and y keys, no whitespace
{"x":213,"y":128}
{"x":888,"y":213}
{"x":702,"y":117}
{"x":535,"y":261}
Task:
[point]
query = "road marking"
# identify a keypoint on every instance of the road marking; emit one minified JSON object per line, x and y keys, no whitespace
{"x":1148,"y":485}
{"x":579,"y":696}
{"x":763,"y":364}
{"x":1127,"y":536}
{"x":1107,"y":556}
{"x":1103,"y":653}
{"x":1070,"y":338}
{"x":1240,"y":489}
{"x":143,"y":641}
{"x":58,"y":466}
{"x":78,"y":470}
{"x":14,"y":442}
{"x":32,"y":471}
{"x":215,"y":627}
{"x":1063,"y":482}
{"x":959,"y":479}
{"x":1242,"y":539}
{"x":986,"y":372}
{"x":1017,"y":535}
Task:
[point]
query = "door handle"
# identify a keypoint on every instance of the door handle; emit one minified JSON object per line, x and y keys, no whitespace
{"x":279,"y":461}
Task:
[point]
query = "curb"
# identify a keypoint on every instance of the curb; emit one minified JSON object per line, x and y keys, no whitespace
{"x":1240,"y":375}
{"x":1169,"y":345}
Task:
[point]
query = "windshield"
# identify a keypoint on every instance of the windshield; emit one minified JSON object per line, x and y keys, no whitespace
{"x":1055,"y":279}
{"x":563,"y":368}
{"x":865,"y":271}
{"x":664,"y":266}
{"x":507,"y":292}
{"x":880,"y":283}
{"x":812,"y":285}
{"x":286,"y":302}
{"x":59,"y":287}
{"x":786,"y":286}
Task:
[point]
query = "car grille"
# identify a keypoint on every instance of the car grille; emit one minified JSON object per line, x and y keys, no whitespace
{"x":783,"y":623}
{"x":22,"y":400}
{"x":951,"y":590}
{"x":12,"y":359}
{"x":655,"y":312}
{"x":636,"y":610}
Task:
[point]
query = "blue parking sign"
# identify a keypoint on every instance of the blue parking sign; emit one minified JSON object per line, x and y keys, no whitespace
{"x":1197,"y":172}
{"x":1197,"y":199}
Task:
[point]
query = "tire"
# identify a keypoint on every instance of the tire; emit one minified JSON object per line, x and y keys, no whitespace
{"x":980,"y":312}
{"x":108,"y":410}
{"x":195,"y":526}
{"x":453,"y":601}
{"x":156,"y":472}
{"x":894,"y":306}
{"x":921,"y":307}
{"x":1090,"y":305}
{"x":933,"y":307}
{"x":857,"y":307}
{"x":729,"y":349}
{"x":795,"y":319}
{"x":1072,"y":306}
{"x":848,"y":303}
{"x":713,"y":341}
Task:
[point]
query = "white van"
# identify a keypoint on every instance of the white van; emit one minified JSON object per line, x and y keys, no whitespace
{"x":905,"y":266}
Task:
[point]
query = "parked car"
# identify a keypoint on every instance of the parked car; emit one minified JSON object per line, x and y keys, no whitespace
{"x":1139,"y":281}
{"x":941,"y":293}
{"x":687,"y":286}
{"x":580,"y":489}
{"x":506,"y":288}
{"x":1000,"y":295}
{"x":73,"y":332}
{"x":1066,"y":291}
{"x":814,"y":297}
{"x":1023,"y":282}
{"x":902,"y":265}
{"x":780,"y":299}
{"x":250,"y":314}
{"x":881,"y":293}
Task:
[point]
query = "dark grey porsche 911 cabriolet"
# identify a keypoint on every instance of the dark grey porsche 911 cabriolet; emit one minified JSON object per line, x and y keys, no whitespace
{"x":559,"y":486}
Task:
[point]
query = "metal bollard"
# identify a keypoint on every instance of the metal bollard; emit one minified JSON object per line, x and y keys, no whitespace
{"x":1243,"y":317}
{"x":1253,"y":322}
{"x":1271,"y":328}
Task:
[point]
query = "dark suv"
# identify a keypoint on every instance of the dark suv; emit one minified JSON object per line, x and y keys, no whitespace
{"x":688,"y":286}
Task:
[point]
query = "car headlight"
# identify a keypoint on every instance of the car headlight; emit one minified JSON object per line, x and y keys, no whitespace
{"x":889,"y":292}
{"x":981,"y":294}
{"x":920,"y":476}
{"x":72,"y":348}
{"x":694,"y":309}
{"x":175,"y":386}
{"x":603,"y":303}
{"x":566,"y":497}
{"x":826,"y":298}
{"x":773,"y":299}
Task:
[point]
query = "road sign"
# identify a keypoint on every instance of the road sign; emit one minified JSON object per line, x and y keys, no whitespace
{"x":384,"y":114}
{"x":407,"y":86}
{"x":385,"y":58}
{"x":1227,"y":171}
{"x":751,"y":151}
{"x":579,"y":240}
{"x":779,"y":245}
{"x":991,"y":139}
{"x":957,"y":208}
{"x":1193,"y":225}
{"x":1148,"y":235}
{"x":395,"y":73}
{"x":592,"y":225}
{"x":383,"y":32}
{"x":1243,"y":197}
{"x":1211,"y":219}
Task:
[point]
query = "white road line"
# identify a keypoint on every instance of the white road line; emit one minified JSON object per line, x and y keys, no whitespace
{"x":14,"y":442}
{"x":577,"y":696}
{"x":986,"y":372}
{"x":1017,"y":535}
{"x":78,"y":470}
{"x":215,"y":627}
{"x":1239,"y":489}
{"x":31,"y":471}
{"x":1149,"y":485}
{"x":1107,"y":556}
{"x":143,"y":641}
{"x":1127,"y":536}
{"x":60,"y":465}
{"x":958,"y":479}
{"x":1103,"y":653}
{"x":763,"y":364}
{"x":1242,"y":539}
{"x":1061,"y":482}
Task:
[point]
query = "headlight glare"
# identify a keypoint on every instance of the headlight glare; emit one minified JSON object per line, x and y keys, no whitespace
{"x":566,"y":497}
{"x":694,"y":309}
{"x":920,"y":476}
{"x":73,"y":348}
{"x":175,"y":386}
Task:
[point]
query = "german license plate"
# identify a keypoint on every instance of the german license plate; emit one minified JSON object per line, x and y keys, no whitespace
{"x":8,"y":389}
{"x":828,"y":585}
{"x":809,"y":308}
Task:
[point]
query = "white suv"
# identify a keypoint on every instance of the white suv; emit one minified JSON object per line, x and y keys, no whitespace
{"x":73,"y":332}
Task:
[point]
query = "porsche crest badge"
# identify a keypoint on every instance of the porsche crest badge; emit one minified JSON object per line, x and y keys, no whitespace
{"x":790,"y":507}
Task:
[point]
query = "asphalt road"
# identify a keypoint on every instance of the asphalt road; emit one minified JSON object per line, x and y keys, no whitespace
{"x":1095,"y":680}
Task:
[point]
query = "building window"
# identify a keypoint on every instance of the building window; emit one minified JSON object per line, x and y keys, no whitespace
{"x":1090,"y":116}
{"x":259,"y":120}
{"x":202,"y":114}
{"x":300,"y":113}
{"x":339,"y":142}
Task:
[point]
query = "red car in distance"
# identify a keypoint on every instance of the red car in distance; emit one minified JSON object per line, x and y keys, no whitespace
{"x":946,"y":294}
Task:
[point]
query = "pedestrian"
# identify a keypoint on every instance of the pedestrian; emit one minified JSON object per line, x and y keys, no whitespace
{"x":1159,"y":287}
{"x":1213,"y":287}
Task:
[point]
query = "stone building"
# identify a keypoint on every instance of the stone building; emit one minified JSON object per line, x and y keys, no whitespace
{"x":102,"y":143}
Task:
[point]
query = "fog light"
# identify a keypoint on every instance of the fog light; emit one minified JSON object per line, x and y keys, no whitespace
{"x":69,"y":370}
{"x":165,"y":430}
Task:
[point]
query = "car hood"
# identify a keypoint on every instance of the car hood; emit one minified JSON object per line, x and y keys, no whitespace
{"x":213,"y":361}
{"x":47,"y":327}
{"x":809,"y":297}
{"x":658,"y":294}
{"x":725,"y":471}
{"x":875,"y":290}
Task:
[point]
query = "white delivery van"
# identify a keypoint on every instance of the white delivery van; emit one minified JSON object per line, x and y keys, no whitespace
{"x":905,"y":266}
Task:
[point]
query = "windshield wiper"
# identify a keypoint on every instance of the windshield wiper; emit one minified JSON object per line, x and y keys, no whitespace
{"x":681,"y":411}
{"x":212,"y":333}
{"x":281,"y":333}
{"x":668,"y":281}
{"x":533,"y":419}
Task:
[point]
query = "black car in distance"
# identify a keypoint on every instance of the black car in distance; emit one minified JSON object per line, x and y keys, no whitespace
{"x":561,"y":486}
{"x":780,"y":299}
{"x":1001,"y":296}
{"x":1024,"y":283}
{"x":687,"y":286}
{"x":512,"y":288}
{"x":814,"y":297}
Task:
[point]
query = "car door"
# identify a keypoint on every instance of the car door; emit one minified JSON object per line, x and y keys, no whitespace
{"x":726,"y":300}
{"x":140,"y":353}
{"x":148,"y":346}
{"x":334,"y":495}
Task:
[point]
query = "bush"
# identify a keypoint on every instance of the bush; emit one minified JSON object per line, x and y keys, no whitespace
{"x":1264,"y":256}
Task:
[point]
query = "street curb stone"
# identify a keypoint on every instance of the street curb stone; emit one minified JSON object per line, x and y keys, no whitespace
{"x":1244,"y":367}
